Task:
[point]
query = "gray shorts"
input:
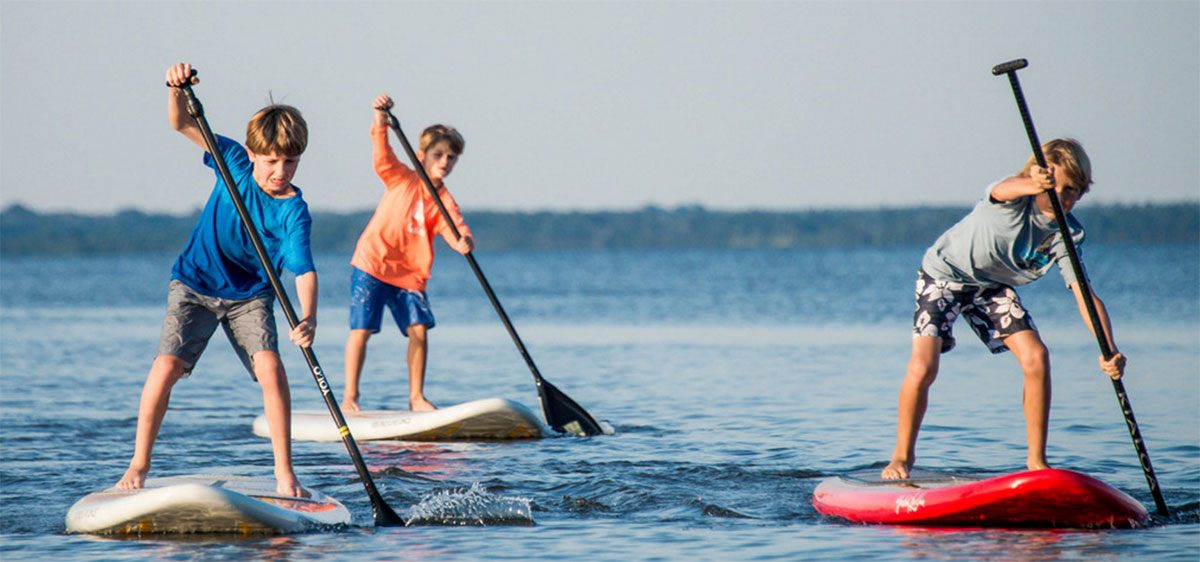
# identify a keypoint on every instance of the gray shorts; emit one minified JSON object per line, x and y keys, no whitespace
{"x":994,"y":313}
{"x":192,"y":318}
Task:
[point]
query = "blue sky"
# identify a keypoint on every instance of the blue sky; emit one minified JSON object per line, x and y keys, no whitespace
{"x":607,"y":105}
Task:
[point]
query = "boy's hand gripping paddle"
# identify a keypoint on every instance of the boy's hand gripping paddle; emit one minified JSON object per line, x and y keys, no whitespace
{"x":562,"y":413}
{"x":384,"y":515}
{"x":1010,"y":68}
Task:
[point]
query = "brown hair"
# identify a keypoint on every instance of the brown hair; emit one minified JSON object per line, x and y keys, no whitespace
{"x":1067,"y":154}
{"x":277,"y":128}
{"x":434,"y":134}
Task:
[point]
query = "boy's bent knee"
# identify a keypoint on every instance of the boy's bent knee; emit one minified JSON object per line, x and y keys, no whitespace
{"x":922,"y":373}
{"x":1030,"y":352}
{"x":267,"y":365}
{"x":168,"y":367}
{"x":360,"y":336}
{"x":923,"y":365}
{"x":1036,"y":363}
{"x":417,"y":332}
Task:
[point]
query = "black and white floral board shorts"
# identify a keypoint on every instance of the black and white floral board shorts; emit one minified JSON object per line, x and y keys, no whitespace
{"x":993,"y":313}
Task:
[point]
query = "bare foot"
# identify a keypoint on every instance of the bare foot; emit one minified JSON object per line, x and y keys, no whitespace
{"x":288,"y":485}
{"x":350,"y":405}
{"x":420,"y":405}
{"x":1040,"y":464}
{"x":896,"y":470}
{"x":133,"y":479}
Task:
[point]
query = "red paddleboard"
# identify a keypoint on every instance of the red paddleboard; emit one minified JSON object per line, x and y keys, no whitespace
{"x":1038,"y":498}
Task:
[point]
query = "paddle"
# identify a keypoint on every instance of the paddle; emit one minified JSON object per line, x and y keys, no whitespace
{"x":562,"y":413}
{"x":384,"y":516}
{"x":1010,"y":68}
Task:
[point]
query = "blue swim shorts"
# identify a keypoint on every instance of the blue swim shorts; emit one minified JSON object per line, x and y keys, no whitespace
{"x":368,"y":296}
{"x":994,"y":313}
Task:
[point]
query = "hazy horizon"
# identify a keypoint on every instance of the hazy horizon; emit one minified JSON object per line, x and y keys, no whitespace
{"x":665,"y":208}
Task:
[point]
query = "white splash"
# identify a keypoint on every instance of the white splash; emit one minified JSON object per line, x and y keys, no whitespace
{"x":474,"y":506}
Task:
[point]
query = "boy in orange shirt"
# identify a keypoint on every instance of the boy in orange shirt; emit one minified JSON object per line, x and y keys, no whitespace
{"x":394,"y":254}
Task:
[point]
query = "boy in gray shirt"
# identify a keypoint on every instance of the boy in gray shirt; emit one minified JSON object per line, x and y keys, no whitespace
{"x":1010,"y":238}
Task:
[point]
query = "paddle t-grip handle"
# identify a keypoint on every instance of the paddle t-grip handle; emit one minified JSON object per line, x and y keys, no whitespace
{"x":194,"y":107}
{"x":189,"y":82}
{"x":1010,"y":66}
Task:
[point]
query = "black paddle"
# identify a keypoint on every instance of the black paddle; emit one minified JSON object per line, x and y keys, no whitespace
{"x":384,"y":516}
{"x":562,"y":413}
{"x":1010,"y":68}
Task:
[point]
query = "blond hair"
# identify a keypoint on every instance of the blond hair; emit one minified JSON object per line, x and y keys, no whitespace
{"x":1067,"y":154}
{"x":277,"y":128}
{"x":434,"y":134}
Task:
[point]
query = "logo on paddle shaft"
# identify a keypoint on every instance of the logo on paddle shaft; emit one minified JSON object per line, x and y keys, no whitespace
{"x":321,"y":382}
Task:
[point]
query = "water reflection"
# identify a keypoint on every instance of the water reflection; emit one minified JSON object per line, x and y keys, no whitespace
{"x":942,"y":543}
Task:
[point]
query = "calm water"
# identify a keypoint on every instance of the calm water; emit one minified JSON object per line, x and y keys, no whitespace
{"x":735,"y":380}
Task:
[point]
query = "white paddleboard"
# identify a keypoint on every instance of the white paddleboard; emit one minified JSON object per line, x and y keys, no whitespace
{"x":489,"y":418}
{"x":203,"y":503}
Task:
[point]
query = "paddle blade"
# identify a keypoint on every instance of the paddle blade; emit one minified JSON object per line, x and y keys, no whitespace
{"x":563,"y":414}
{"x":384,"y":515}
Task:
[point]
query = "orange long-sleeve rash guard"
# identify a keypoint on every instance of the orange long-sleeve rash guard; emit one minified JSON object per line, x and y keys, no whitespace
{"x":396,"y":247}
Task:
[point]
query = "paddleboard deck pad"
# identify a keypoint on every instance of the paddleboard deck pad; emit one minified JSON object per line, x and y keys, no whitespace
{"x":490,"y":418}
{"x":241,"y":505}
{"x":1038,"y":498}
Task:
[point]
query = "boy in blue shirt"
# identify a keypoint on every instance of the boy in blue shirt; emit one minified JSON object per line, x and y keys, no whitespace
{"x":1010,"y":238}
{"x":218,"y":279}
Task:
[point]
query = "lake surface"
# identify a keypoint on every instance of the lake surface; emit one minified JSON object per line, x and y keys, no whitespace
{"x":735,"y":381}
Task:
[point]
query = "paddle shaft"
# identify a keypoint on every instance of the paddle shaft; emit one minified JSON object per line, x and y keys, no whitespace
{"x":384,"y":515}
{"x":588,"y":425}
{"x":1010,"y":68}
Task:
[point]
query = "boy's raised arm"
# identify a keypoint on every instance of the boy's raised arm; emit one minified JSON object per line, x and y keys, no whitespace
{"x":1039,"y":180}
{"x":177,"y":114}
{"x":387,"y":166}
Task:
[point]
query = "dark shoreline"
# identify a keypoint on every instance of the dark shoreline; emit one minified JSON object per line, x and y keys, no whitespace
{"x":25,"y":232}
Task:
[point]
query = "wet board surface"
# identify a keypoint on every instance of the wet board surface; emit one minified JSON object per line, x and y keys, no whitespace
{"x":202,"y":503}
{"x":1039,"y":498}
{"x":489,"y":418}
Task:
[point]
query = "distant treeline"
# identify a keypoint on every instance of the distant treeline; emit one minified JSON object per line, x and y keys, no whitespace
{"x":24,"y":232}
